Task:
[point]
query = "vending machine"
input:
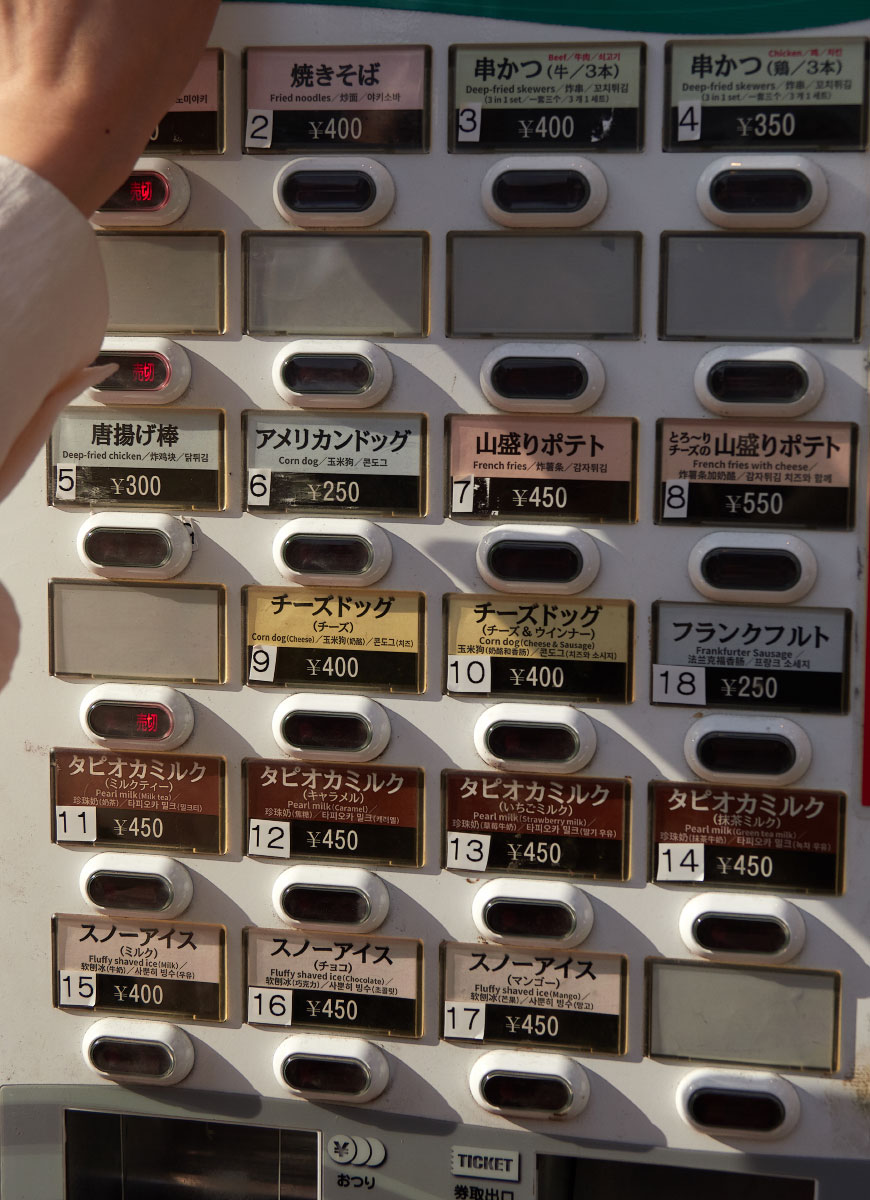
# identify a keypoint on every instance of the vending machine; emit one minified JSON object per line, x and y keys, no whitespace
{"x":433,"y":760}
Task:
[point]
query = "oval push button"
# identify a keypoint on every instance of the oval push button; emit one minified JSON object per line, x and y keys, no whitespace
{"x":328,"y":191}
{"x":762,"y":191}
{"x":151,"y":1052}
{"x":723,"y":934}
{"x":738,"y":381}
{"x":326,"y":554}
{"x":522,"y":1083}
{"x":150,"y":370}
{"x":135,"y":545}
{"x":129,"y":721}
{"x":129,"y":717}
{"x":541,"y":377}
{"x":752,"y":381}
{"x":326,"y":374}
{"x":530,"y":736}
{"x":533,"y":190}
{"x":151,"y":883}
{"x":532,"y":742}
{"x":141,"y":192}
{"x":322,"y":550}
{"x":560,"y":558}
{"x":747,"y":749}
{"x":332,"y":373}
{"x":743,"y":926}
{"x":515,"y":561}
{"x":770,"y":568}
{"x":754,"y":1104}
{"x":136,"y":372}
{"x":740,"y":753}
{"x":324,"y":731}
{"x":321,"y":1067}
{"x":315,"y":726}
{"x":543,"y":910}
{"x":743,"y":190}
{"x":331,"y":897}
{"x":142,"y":548}
{"x":156,"y":192}
{"x":540,"y":191}
{"x":349,"y":191}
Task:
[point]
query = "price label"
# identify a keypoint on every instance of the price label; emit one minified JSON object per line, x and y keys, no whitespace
{"x":464,"y":1021}
{"x":271,"y":839}
{"x":468,"y":851}
{"x":680,"y":862}
{"x":269,"y":1006}
{"x":73,"y":824}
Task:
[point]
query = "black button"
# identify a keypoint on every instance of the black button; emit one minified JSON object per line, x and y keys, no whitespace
{"x":143,"y":191}
{"x":754,"y":191}
{"x":327,"y":374}
{"x":145,"y":372}
{"x":511,"y":1090}
{"x":127,"y":719}
{"x":328,"y":191}
{"x":327,"y":554}
{"x":529,"y":918}
{"x":532,"y":742}
{"x":535,"y":562}
{"x":127,"y":547}
{"x":325,"y":905}
{"x":741,"y":381}
{"x":751,"y":569}
{"x":326,"y":731}
{"x":724,"y":1108}
{"x":540,"y":191}
{"x":315,"y":1074}
{"x":746,"y":753}
{"x":126,"y":1056}
{"x":130,"y":890}
{"x":545,"y":378}
{"x":740,"y":934}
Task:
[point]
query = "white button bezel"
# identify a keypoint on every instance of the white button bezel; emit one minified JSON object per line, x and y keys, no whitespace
{"x":765,"y":726}
{"x":351,"y":1049}
{"x":175,"y":356}
{"x":537,"y":891}
{"x":789,"y":354}
{"x":585,"y":546}
{"x":176,"y":205}
{"x":527,"y":1062}
{"x":591,"y":363}
{"x":170,"y":1037}
{"x":173,"y":529}
{"x":552,"y":162}
{"x":767,"y":220}
{"x":732,"y":904}
{"x":170,"y":870}
{"x":174,"y":702}
{"x":378,"y":542}
{"x":347,"y":879}
{"x":739,"y":540}
{"x":385,"y":193}
{"x":739,"y":1081}
{"x":319,"y":702}
{"x":378,"y":360}
{"x":537,"y":714}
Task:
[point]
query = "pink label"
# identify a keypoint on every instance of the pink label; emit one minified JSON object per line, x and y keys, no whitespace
{"x":349,"y":77}
{"x":202,"y":91}
{"x":536,"y":446}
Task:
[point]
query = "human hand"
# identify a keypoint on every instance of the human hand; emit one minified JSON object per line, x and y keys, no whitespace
{"x":84,"y":82}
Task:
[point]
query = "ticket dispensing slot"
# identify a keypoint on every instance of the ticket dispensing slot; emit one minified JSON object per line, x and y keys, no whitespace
{"x":128,"y":1051}
{"x":547,"y":911}
{"x":332,"y":373}
{"x":346,"y":1070}
{"x":755,"y":1104}
{"x":133,"y":546}
{"x":743,"y":927}
{"x":157,"y":192}
{"x":753,"y":567}
{"x":526,"y":1084}
{"x":747,"y":750}
{"x":556,"y":190}
{"x":150,"y":371}
{"x":532,"y":737}
{"x":129,"y":717}
{"x":554,"y":558}
{"x":331,"y":898}
{"x":782,"y":381}
{"x":150,"y":883}
{"x":342,"y":192}
{"x":542,"y":377}
{"x":772,"y":191}
{"x":319,"y":550}
{"x":309,"y":725}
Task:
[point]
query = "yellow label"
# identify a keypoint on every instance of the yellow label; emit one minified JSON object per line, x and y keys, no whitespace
{"x":540,"y":627}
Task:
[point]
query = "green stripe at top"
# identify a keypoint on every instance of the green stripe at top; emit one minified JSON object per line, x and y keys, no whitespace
{"x":647,"y":16}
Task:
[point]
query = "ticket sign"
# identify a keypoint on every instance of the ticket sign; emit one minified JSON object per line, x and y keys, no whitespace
{"x":137,"y":460}
{"x":333,"y":464}
{"x":312,"y":981}
{"x":334,"y":813}
{"x":723,"y":656}
{"x":322,"y":638}
{"x":551,"y":998}
{"x":547,"y":97}
{"x":549,"y":647}
{"x":143,"y":801}
{"x":169,"y":969}
{"x":756,"y":474}
{"x":776,"y":93}
{"x":779,"y":839}
{"x":195,"y":122}
{"x":337,"y":97}
{"x":545,"y":467}
{"x":536,"y":824}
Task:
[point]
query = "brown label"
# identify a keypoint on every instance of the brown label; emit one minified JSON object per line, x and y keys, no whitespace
{"x":542,"y":467}
{"x":142,"y":800}
{"x":779,"y":838}
{"x":334,"y":812}
{"x":536,"y":824}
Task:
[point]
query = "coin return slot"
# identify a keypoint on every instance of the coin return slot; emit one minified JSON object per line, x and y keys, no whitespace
{"x":746,"y":753}
{"x":135,"y":373}
{"x":541,"y":191}
{"x":741,"y":568}
{"x":724,"y":933}
{"x":315,"y":1075}
{"x":532,"y":742}
{"x":326,"y":731}
{"x":725,"y":1108}
{"x":512,"y":1091}
{"x":129,"y":890}
{"x":325,"y":905}
{"x":327,"y":374}
{"x":128,"y":1056}
{"x":142,"y":191}
{"x":127,"y":547}
{"x":732,"y":381}
{"x":747,"y":191}
{"x":327,"y":554}
{"x":129,"y":720}
{"x":328,"y":191}
{"x":529,"y":919}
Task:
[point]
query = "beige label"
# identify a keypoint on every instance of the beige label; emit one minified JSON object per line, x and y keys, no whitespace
{"x":317,"y":617}
{"x":558,"y":76}
{"x":809,"y":453}
{"x":550,"y":978}
{"x":557,"y":448}
{"x":375,"y":965}
{"x":140,"y":947}
{"x":348,"y":77}
{"x":539,"y":627}
{"x":202,"y":92}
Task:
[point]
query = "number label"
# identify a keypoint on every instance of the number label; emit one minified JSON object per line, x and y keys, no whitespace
{"x":259,"y":486}
{"x":269,"y":1006}
{"x":680,"y":862}
{"x":676,"y":500}
{"x":258,"y":131}
{"x":679,"y":685}
{"x":688,"y":121}
{"x":271,"y":839}
{"x":65,"y":483}
{"x":263,"y":660}
{"x":462,"y":500}
{"x":468,"y":673}
{"x":468,"y":851}
{"x":468,"y":123}
{"x":77,"y":990}
{"x":464,"y":1020}
{"x":74,"y":824}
